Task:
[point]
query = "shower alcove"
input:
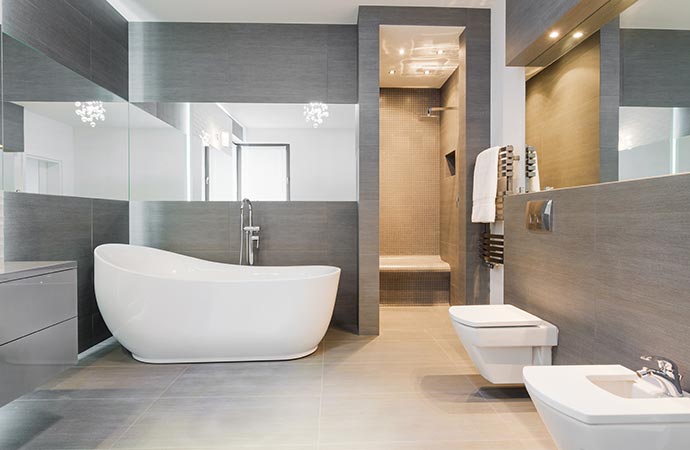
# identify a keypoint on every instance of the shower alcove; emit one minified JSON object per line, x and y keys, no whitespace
{"x":419,"y":135}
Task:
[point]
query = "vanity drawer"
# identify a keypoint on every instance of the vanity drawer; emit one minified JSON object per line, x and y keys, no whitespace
{"x":34,"y":359}
{"x":31,"y":304}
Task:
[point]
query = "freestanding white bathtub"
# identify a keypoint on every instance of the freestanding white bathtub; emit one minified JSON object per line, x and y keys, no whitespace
{"x":168,"y":308}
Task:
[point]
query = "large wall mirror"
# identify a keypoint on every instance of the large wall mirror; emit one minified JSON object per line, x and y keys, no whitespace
{"x":230,"y":151}
{"x":617,"y":106}
{"x":65,"y":135}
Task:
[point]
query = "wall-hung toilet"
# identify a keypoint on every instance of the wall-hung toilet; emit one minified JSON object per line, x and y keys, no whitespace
{"x":503,"y":339}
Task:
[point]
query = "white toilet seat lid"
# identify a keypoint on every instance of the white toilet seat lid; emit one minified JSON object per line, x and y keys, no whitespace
{"x":485,"y":316}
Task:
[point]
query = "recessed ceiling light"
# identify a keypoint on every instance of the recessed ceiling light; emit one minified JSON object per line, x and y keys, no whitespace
{"x":578,"y":34}
{"x":554,"y":34}
{"x":401,"y":51}
{"x":426,"y":72}
{"x":440,"y":52}
{"x":391,"y":72}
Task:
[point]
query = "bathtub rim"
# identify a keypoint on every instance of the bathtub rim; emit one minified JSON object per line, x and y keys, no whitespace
{"x":334,"y":270}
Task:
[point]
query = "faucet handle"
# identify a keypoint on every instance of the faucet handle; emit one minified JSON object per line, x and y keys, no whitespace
{"x":663,"y":363}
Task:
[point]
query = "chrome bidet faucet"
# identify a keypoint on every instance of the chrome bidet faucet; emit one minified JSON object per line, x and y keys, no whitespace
{"x":667,"y":372}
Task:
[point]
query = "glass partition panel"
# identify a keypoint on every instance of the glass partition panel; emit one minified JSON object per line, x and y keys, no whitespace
{"x":62,"y":133}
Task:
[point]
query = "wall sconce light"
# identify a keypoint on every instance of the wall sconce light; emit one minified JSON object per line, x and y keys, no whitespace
{"x":225,"y":139}
{"x":554,"y":34}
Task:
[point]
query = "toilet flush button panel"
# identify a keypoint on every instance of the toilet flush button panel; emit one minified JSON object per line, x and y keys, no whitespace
{"x":539,"y":215}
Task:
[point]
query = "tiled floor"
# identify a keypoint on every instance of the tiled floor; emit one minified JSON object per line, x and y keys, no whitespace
{"x":412,"y":388}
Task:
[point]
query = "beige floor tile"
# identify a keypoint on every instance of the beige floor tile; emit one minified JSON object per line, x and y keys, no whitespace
{"x":431,"y":445}
{"x":99,"y":382}
{"x":396,"y":378}
{"x":381,"y":351}
{"x":405,"y":418}
{"x":525,"y":425}
{"x":216,"y":422}
{"x":542,"y":444}
{"x":248,"y":379}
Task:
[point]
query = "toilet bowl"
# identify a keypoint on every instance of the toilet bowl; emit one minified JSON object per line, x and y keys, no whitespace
{"x":502,"y":339}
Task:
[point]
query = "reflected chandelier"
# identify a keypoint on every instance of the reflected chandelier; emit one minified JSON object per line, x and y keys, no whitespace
{"x":90,"y":112}
{"x":315,"y":112}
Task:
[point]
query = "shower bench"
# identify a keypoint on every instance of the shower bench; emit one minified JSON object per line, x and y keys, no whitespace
{"x":414,"y":280}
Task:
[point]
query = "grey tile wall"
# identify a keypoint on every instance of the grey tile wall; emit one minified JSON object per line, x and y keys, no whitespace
{"x":609,"y":99}
{"x":292,"y":233}
{"x":655,"y":68}
{"x":527,"y":20}
{"x":30,"y":75}
{"x":477,"y":43}
{"x":274,"y":63}
{"x":53,"y":228}
{"x":87,"y":36}
{"x":451,"y":209}
{"x":12,"y":127}
{"x":613,"y":276}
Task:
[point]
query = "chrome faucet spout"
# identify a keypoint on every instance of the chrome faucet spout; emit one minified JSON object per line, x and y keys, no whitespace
{"x":249,"y":233}
{"x":667,"y":371}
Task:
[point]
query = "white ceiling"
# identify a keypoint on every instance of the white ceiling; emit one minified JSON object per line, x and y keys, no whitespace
{"x":420,"y":46}
{"x":117,"y":115}
{"x":658,"y":14}
{"x":288,"y":115}
{"x":265,"y":11}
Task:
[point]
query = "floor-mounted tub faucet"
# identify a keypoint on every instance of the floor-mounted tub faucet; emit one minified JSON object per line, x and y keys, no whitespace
{"x":249,"y":238}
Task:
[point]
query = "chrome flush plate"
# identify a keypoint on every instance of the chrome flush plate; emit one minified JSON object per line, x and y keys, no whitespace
{"x":539,"y":215}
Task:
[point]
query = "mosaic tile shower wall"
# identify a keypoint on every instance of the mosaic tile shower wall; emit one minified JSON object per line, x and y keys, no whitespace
{"x":409,"y":172}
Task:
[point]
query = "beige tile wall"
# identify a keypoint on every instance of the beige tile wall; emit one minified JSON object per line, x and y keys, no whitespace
{"x":409,"y":174}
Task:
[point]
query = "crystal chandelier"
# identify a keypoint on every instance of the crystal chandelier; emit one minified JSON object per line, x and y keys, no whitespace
{"x":90,"y":112}
{"x":315,"y":112}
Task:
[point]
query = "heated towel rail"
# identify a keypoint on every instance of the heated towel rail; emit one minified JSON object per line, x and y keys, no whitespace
{"x":491,"y":245}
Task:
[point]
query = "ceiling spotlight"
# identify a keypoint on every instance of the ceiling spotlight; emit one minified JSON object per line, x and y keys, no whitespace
{"x":426,"y":72}
{"x":401,"y":51}
{"x":439,"y":52}
{"x":578,"y":34}
{"x":391,"y":72}
{"x":554,"y":34}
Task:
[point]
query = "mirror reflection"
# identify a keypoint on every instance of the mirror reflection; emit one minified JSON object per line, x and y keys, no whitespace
{"x":231,"y":151}
{"x":617,"y":106}
{"x":62,"y":134}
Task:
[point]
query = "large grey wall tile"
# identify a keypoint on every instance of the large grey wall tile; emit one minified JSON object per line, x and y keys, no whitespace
{"x":292,"y":233}
{"x":278,"y":62}
{"x":54,"y":27}
{"x":243,"y":62}
{"x":613,"y":274}
{"x":12,"y":127}
{"x":29,"y":75}
{"x":178,"y":62}
{"x":74,"y":33}
{"x":341,"y":75}
{"x":655,"y":68}
{"x":202,"y":228}
{"x":54,"y":228}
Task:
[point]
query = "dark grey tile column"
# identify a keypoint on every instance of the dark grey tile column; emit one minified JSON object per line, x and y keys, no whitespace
{"x":477,"y":105}
{"x":609,"y":100}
